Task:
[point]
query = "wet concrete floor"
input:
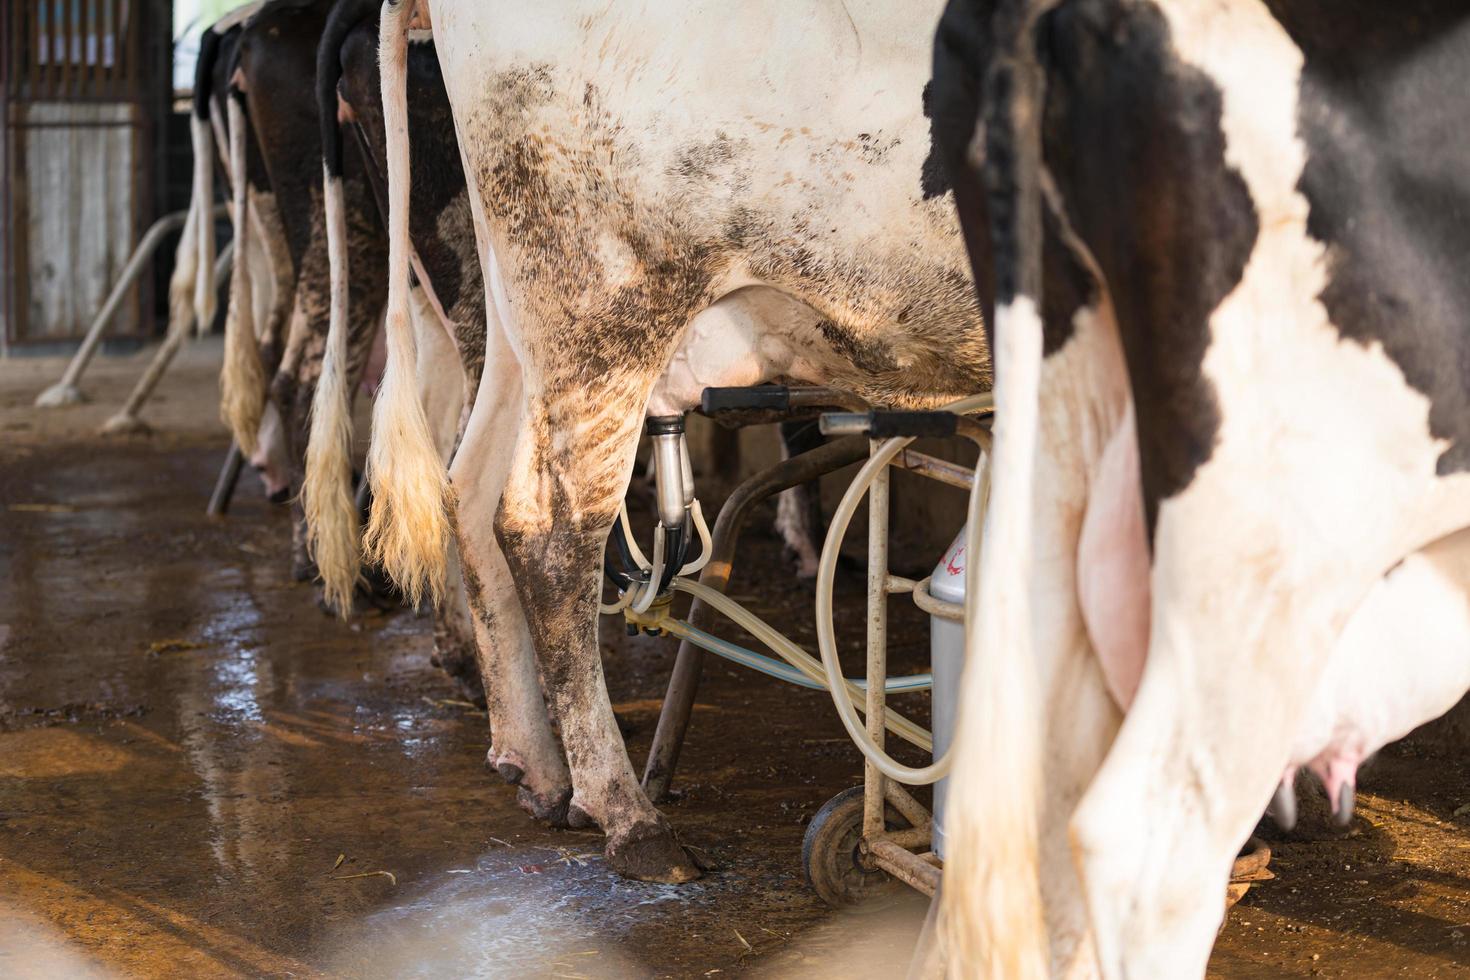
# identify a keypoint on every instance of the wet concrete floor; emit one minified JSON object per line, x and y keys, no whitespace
{"x":202,"y":775}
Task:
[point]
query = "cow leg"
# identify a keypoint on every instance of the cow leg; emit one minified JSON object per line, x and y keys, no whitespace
{"x":570,"y":471}
{"x":1081,"y":721}
{"x":278,"y":270}
{"x":283,"y":394}
{"x":524,"y":750}
{"x":799,"y":510}
{"x":455,"y":647}
{"x":1253,"y":582}
{"x":444,"y":404}
{"x":1071,"y":614}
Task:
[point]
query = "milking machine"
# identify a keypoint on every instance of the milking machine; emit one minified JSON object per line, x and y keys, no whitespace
{"x":863,"y":839}
{"x":867,"y":838}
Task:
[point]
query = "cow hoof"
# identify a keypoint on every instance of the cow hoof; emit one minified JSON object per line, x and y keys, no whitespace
{"x":552,"y":810}
{"x":380,"y":588}
{"x":579,"y":819}
{"x":464,"y":672}
{"x":648,"y":852}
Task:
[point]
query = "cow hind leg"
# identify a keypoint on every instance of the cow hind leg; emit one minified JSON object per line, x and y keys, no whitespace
{"x":524,"y":750}
{"x":1081,"y":721}
{"x":799,"y":510}
{"x":569,"y":472}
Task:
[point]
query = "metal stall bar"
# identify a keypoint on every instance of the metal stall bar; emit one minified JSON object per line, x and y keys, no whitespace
{"x":65,"y":391}
{"x":876,"y":699}
{"x":127,"y":418}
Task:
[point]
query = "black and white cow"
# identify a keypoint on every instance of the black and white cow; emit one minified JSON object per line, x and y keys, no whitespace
{"x":448,"y":299}
{"x":269,"y":273}
{"x":272,"y":62}
{"x":1232,"y":346}
{"x":656,"y":211}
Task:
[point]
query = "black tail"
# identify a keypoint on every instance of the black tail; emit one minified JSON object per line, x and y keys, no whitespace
{"x":1011,"y":112}
{"x":346,"y":15}
{"x":204,"y":72}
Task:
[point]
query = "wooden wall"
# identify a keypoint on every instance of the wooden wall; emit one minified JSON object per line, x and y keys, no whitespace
{"x":82,"y":81}
{"x":78,"y":193}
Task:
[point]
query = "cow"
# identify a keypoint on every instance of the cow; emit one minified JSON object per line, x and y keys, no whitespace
{"x":655,"y":212}
{"x":192,"y":297}
{"x":448,"y":300}
{"x":1230,"y":457}
{"x":274,"y":369}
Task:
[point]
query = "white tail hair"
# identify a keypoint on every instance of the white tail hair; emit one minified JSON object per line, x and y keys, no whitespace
{"x":326,"y":493}
{"x":242,"y":377}
{"x":181,"y":284}
{"x":992,"y":921}
{"x":991,"y":915}
{"x":408,"y":529}
{"x":201,"y":206}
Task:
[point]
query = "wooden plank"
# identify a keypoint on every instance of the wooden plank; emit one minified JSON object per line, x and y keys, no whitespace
{"x":91,"y":46}
{"x":20,"y":199}
{"x":74,"y":183}
{"x":83,"y":218}
{"x":9,"y":20}
{"x":35,"y":36}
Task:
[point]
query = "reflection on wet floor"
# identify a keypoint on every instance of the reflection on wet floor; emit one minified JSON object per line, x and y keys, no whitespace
{"x":202,"y":775}
{"x":510,"y":913}
{"x":32,"y":947}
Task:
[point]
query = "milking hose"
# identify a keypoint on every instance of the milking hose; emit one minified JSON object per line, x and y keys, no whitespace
{"x":798,"y":658}
{"x":826,"y":638}
{"x":775,"y":668}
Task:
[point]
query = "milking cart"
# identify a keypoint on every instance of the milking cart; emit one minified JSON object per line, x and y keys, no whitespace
{"x":865,"y":838}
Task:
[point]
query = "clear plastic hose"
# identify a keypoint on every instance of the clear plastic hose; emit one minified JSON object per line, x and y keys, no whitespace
{"x":649,"y":591}
{"x":800,"y":659}
{"x":775,"y":668}
{"x":633,"y":549}
{"x":696,"y":514}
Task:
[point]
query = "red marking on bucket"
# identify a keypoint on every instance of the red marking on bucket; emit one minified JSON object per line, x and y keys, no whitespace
{"x":955,"y":566}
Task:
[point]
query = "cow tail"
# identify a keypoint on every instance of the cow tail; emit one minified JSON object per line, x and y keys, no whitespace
{"x":181,"y":284}
{"x":326,"y":493}
{"x":242,"y":378}
{"x":197,"y":275}
{"x":992,"y":923}
{"x":408,"y":528}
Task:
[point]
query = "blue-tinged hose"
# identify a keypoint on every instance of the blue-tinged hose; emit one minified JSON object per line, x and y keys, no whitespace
{"x":775,"y":668}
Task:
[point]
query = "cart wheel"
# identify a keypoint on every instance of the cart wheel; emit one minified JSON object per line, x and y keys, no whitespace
{"x":829,"y":853}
